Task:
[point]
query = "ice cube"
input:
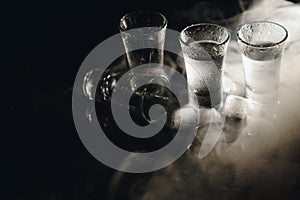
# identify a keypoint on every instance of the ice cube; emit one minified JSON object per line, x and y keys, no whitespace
{"x":193,"y":116}
{"x":185,"y":117}
{"x":236,"y":107}
{"x":232,"y":87}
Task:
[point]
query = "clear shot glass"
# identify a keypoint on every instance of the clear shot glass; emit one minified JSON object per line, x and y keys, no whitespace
{"x":261,"y":45}
{"x":203,"y":47}
{"x":140,"y":30}
{"x":143,"y":36}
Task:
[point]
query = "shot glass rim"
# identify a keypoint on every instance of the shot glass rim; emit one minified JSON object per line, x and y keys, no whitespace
{"x":260,"y":46}
{"x":164,"y":24}
{"x":210,"y":24}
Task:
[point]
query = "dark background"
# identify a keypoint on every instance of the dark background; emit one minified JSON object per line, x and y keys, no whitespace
{"x":45,"y":44}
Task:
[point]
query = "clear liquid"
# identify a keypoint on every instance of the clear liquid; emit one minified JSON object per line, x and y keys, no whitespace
{"x":144,"y":56}
{"x":262,"y":79}
{"x":204,"y":72}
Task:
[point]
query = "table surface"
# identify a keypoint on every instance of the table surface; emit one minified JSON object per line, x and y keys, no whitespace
{"x":50,"y":162}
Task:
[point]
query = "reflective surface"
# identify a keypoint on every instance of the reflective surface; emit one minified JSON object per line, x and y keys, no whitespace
{"x":48,"y":160}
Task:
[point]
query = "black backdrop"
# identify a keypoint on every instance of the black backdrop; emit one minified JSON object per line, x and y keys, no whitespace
{"x":46,"y":43}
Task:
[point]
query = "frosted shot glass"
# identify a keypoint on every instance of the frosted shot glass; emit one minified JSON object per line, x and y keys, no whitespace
{"x":203,"y":47}
{"x":261,"y":45}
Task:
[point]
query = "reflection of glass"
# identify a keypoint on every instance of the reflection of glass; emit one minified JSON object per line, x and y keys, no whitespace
{"x":141,"y":29}
{"x":261,"y":44}
{"x":102,"y":91}
{"x":203,"y":47}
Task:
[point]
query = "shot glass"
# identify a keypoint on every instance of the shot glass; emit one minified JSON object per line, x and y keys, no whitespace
{"x":140,"y":30}
{"x":143,"y":36}
{"x":204,"y":46}
{"x":261,"y":45}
